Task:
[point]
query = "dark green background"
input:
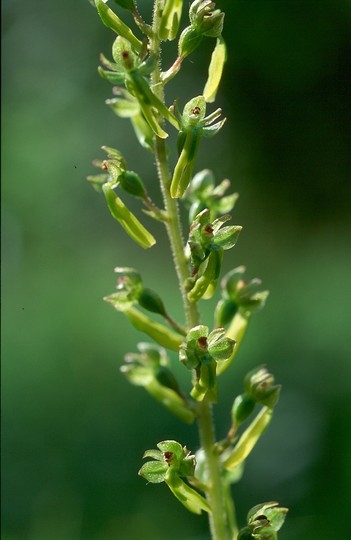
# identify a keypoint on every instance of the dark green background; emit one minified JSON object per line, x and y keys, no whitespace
{"x":74,"y":431}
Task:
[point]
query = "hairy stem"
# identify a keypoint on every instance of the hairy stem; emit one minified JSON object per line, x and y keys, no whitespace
{"x":216,"y":489}
{"x":173,"y":223}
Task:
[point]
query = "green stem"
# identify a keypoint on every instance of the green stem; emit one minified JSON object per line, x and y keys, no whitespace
{"x":216,"y":490}
{"x":173,"y":224}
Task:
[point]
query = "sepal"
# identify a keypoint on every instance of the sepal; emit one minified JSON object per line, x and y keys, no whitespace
{"x":154,"y":471}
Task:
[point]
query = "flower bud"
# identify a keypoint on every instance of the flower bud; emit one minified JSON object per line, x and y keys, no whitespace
{"x":166,"y":378}
{"x":207,"y":20}
{"x":225,"y":311}
{"x":259,"y":385}
{"x":189,"y":40}
{"x":243,"y":406}
{"x":132,"y":184}
{"x":151,"y":301}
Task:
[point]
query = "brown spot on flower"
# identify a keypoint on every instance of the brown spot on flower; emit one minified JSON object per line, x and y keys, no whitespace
{"x":262,"y":518}
{"x":104,"y":165}
{"x":208,"y":229}
{"x":168,"y":457}
{"x":202,"y":343}
{"x":196,"y":110}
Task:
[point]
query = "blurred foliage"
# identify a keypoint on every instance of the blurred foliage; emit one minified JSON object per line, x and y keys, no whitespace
{"x":68,"y":415}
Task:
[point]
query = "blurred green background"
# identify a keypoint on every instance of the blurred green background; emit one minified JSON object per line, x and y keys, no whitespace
{"x":74,"y":431}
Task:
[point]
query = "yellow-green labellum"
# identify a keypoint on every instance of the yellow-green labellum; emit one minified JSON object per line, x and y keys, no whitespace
{"x":129,"y":222}
{"x":112,"y":21}
{"x":191,"y":499}
{"x":248,"y":439}
{"x":215,"y":70}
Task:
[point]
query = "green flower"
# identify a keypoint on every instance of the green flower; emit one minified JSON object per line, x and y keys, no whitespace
{"x":203,"y":193}
{"x":205,"y":20}
{"x":132,"y":70}
{"x":194,"y":124}
{"x":239,"y":294}
{"x":200,"y":352}
{"x":263,"y":522}
{"x":207,"y":241}
{"x":173,"y":462}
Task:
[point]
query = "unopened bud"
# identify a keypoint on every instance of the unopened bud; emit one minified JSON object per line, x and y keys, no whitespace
{"x":259,"y":384}
{"x":132,"y":183}
{"x":189,"y":40}
{"x":243,"y":406}
{"x":150,"y":300}
{"x":207,"y":20}
{"x":225,"y":311}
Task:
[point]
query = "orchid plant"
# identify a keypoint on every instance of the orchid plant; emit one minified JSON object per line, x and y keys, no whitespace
{"x":201,"y":481}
